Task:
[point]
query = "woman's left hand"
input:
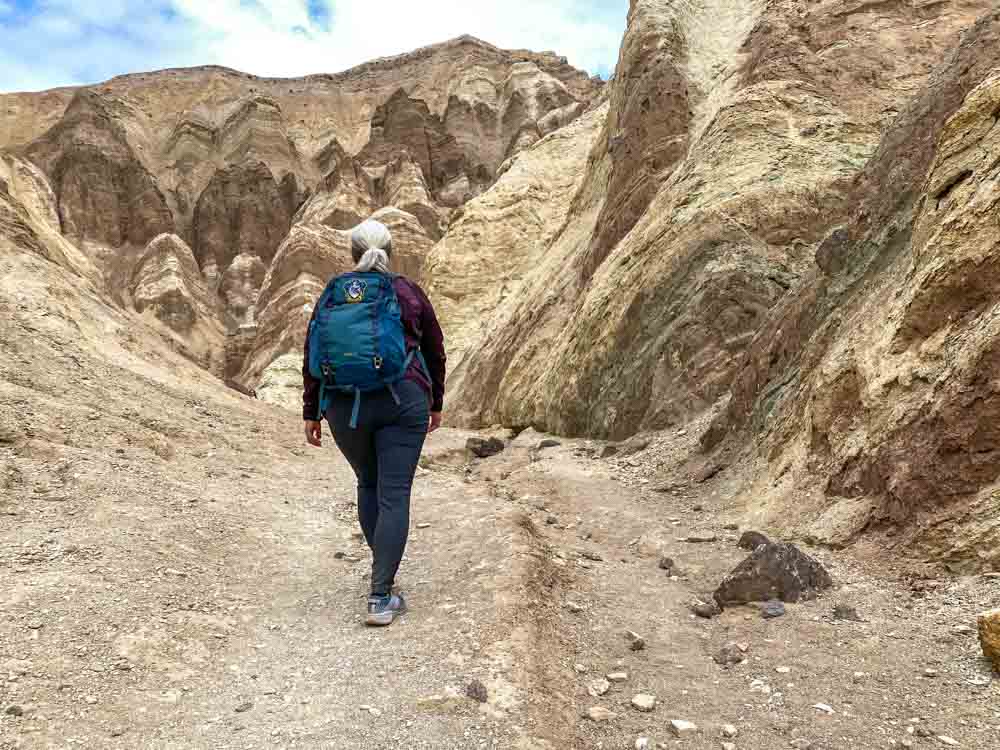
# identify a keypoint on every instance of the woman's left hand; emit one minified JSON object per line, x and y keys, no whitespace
{"x":435,"y":422}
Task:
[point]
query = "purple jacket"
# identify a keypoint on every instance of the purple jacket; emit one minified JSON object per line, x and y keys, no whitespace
{"x":422,"y":331}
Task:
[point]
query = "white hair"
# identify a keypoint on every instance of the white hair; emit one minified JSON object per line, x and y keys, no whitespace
{"x":371,"y":245}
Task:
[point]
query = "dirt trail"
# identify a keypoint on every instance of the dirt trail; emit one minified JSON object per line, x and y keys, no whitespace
{"x":910,"y":663}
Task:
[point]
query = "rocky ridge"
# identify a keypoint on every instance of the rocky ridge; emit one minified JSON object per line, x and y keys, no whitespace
{"x":234,"y":167}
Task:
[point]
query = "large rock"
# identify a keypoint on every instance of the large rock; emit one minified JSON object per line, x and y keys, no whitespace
{"x":774,"y":571}
{"x":989,"y":636}
{"x":29,"y":219}
{"x":241,"y":212}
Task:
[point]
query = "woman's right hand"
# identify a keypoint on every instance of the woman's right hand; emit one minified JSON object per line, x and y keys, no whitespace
{"x":435,"y":422}
{"x":314,"y":433}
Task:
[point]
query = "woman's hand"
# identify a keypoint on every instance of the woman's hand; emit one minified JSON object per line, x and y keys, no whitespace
{"x":435,"y":422}
{"x":314,"y":433}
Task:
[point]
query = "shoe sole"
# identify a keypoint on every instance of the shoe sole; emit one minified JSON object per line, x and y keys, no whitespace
{"x":385,"y":618}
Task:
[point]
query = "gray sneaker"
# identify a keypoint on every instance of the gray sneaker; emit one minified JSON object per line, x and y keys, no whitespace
{"x":382,"y":610}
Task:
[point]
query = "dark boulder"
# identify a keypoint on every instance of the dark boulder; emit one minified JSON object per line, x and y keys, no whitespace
{"x":485,"y":447}
{"x":774,"y":571}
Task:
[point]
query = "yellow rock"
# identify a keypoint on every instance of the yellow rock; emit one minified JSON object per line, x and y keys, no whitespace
{"x":989,"y":636}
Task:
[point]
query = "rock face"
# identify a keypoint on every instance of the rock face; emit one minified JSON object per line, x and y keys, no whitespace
{"x":726,"y":154}
{"x":773,"y":571}
{"x":237,"y":167}
{"x":878,"y":370}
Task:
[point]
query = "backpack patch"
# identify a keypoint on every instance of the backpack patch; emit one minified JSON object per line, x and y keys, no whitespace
{"x":355,"y":290}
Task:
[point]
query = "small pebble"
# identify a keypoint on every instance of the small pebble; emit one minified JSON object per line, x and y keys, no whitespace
{"x":729,"y":730}
{"x":618,"y":677}
{"x":681,"y":728}
{"x":597,"y":688}
{"x":635,"y":641}
{"x":824,"y":708}
{"x":644,"y":702}
{"x":600,"y":714}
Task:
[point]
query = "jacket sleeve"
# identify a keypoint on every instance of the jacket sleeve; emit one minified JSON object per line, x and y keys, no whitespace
{"x":310,"y":386}
{"x":432,"y":347}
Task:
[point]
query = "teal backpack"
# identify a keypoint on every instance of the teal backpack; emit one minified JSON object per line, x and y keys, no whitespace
{"x":356,"y":339}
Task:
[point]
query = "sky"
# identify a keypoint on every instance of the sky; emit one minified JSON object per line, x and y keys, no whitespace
{"x":48,"y":43}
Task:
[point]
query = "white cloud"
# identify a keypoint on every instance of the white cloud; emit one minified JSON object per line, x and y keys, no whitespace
{"x":79,"y":41}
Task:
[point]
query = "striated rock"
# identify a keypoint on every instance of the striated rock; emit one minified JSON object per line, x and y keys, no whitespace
{"x":160,"y":282}
{"x":241,"y":212}
{"x":30,"y":222}
{"x":105,"y":192}
{"x":692,"y":219}
{"x":227,"y":162}
{"x":989,"y":636}
{"x":240,"y":284}
{"x":773,"y":571}
{"x":403,"y":187}
{"x":499,"y":238}
{"x":877,"y":372}
{"x":404,"y":127}
{"x":167,"y":283}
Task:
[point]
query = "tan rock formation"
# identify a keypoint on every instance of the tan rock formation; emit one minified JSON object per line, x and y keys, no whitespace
{"x":228,"y":162}
{"x":29,"y":219}
{"x":281,"y":382}
{"x":501,"y":237}
{"x":729,"y":145}
{"x":241,"y":212}
{"x":240,"y":285}
{"x":308,"y":257}
{"x":168,"y":285}
{"x":104,"y":191}
{"x":876,"y":375}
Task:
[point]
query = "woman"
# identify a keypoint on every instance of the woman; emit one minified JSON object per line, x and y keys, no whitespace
{"x":382,"y":439}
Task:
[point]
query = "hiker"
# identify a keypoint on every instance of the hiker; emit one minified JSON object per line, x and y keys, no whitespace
{"x":374,"y":366}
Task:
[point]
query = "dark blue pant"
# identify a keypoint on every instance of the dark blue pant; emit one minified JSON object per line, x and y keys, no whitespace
{"x":383,"y":451}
